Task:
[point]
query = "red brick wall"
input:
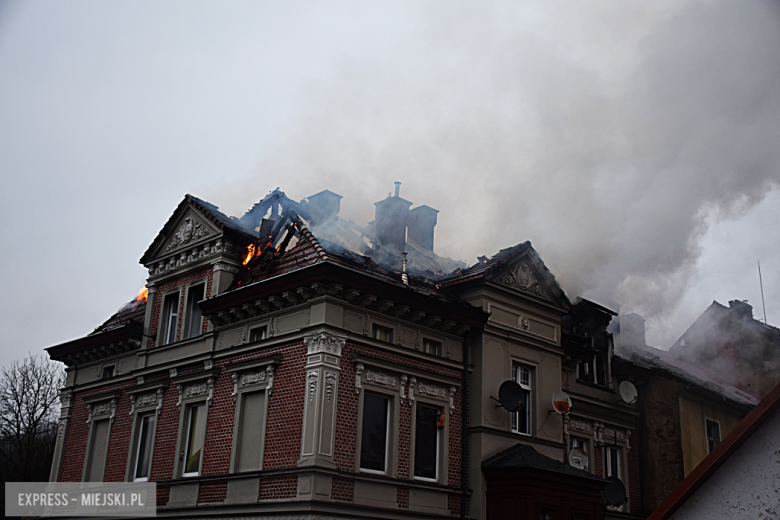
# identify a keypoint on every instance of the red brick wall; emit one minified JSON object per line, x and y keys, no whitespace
{"x":346,"y":429}
{"x":207,"y":273}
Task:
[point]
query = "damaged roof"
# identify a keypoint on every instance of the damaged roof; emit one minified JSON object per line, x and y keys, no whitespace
{"x":686,"y":372}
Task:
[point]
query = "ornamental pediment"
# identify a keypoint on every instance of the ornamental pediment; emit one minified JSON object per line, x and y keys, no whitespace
{"x":523,"y":277}
{"x":187,"y":231}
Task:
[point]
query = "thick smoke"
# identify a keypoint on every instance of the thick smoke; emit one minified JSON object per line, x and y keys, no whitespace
{"x":608,"y":140}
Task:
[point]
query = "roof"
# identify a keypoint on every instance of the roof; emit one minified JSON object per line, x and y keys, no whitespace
{"x":309,"y":250}
{"x":133,"y":312}
{"x":707,"y":467}
{"x":487,"y":266}
{"x":210,"y":211}
{"x":687,"y":372}
{"x":523,"y":456}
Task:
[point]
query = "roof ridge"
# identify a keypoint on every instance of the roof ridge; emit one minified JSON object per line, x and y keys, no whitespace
{"x":321,"y":252}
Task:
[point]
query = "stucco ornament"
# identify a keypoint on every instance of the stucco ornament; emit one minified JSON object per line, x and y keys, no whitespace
{"x":324,"y":342}
{"x":521,"y":277}
{"x":188,"y":230}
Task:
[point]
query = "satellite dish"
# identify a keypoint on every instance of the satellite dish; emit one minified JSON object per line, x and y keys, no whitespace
{"x":512,"y":396}
{"x":561,"y":402}
{"x":578,"y":458}
{"x":627,"y":392}
{"x":615,"y":492}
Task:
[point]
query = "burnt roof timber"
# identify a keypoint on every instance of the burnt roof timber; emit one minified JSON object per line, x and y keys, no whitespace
{"x":329,"y":273}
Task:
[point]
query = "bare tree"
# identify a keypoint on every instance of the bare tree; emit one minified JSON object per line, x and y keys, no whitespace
{"x":29,"y":408}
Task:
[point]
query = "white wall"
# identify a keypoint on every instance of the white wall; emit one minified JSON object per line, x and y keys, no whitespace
{"x":747,"y":485}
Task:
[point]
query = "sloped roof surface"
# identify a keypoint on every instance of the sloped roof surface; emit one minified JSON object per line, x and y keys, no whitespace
{"x":522,"y":456}
{"x":210,"y":211}
{"x":686,"y":371}
{"x":132,"y":312}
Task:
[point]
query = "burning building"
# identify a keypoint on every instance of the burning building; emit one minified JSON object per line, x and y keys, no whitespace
{"x":290,"y":362}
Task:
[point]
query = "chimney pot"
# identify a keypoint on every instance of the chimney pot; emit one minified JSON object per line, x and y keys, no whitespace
{"x":397,"y":189}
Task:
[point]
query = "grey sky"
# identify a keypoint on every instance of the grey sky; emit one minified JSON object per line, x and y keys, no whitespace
{"x":635,"y":145}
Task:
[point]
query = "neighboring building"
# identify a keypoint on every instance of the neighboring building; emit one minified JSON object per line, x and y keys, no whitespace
{"x":739,"y":478}
{"x":684,"y":411}
{"x":293,"y":363}
{"x":730,"y":342}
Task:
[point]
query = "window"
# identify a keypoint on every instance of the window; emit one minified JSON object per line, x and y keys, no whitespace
{"x":612,"y":465}
{"x":101,"y":411}
{"x":521,"y":421}
{"x":432,"y":347}
{"x":108,"y":372}
{"x":252,"y":386}
{"x":143,"y":451}
{"x":257,"y":334}
{"x":594,"y":370}
{"x":713,"y":434}
{"x":196,"y":435}
{"x":170,"y":318}
{"x":145,"y":405}
{"x":373,"y":445}
{"x":194,"y":314}
{"x":383,"y":333}
{"x":426,"y":442}
{"x":98,"y":451}
{"x":580,"y":448}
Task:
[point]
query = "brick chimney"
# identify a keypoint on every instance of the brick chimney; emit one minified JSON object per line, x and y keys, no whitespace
{"x":324,"y":205}
{"x":420,"y":226}
{"x":742,"y":308}
{"x":391,"y":218}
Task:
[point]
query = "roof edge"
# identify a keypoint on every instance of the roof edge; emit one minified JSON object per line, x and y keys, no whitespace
{"x":719,"y":455}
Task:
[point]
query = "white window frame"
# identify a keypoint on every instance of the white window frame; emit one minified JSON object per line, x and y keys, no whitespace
{"x":186,"y":402}
{"x":706,"y":433}
{"x":609,"y":453}
{"x":101,"y":407}
{"x":164,"y":321}
{"x":243,"y":385}
{"x":144,"y":399}
{"x":404,"y":386}
{"x":439,"y":440}
{"x":388,"y":434}
{"x":139,"y":436}
{"x":585,"y":442}
{"x":527,"y":385}
{"x":190,"y":407}
{"x":186,"y":321}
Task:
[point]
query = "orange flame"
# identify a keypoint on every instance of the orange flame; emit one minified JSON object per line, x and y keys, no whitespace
{"x":250,"y":252}
{"x":143,"y":295}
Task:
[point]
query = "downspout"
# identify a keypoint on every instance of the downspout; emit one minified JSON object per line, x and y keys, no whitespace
{"x":465,"y":426}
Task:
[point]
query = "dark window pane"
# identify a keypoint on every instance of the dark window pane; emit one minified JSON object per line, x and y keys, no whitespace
{"x":373,"y":445}
{"x":426,"y":439}
{"x":194,"y":313}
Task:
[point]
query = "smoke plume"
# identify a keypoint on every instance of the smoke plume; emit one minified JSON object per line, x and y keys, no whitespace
{"x":608,"y":135}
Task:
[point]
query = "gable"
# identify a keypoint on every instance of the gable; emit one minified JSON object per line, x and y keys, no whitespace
{"x":528,"y":274}
{"x":187,"y":230}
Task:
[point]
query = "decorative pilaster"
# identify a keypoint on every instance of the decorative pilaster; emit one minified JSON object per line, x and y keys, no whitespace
{"x":319,"y":416}
{"x":66,"y":400}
